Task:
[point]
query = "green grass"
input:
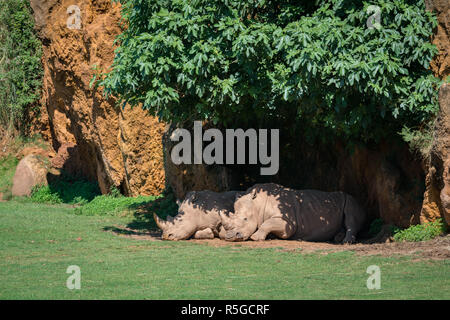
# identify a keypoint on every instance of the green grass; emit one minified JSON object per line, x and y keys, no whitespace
{"x":40,"y":241}
{"x":7,"y":169}
{"x":111,"y":205}
{"x":141,"y":208}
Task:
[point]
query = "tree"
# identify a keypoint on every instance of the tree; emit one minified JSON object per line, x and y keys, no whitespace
{"x":313,"y":61}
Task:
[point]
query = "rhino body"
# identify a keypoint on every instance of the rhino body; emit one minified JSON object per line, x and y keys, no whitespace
{"x":309,"y":215}
{"x":198,"y":216}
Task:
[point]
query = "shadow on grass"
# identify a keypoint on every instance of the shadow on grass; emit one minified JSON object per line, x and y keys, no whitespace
{"x":130,"y":232}
{"x":143,"y":222}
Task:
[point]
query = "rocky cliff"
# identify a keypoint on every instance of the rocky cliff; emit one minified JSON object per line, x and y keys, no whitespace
{"x":94,"y":138}
{"x":125,"y":147}
{"x":436,"y":202}
{"x":441,"y":39}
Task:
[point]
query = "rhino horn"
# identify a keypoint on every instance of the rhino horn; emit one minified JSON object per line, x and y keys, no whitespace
{"x":225,"y":219}
{"x":159,"y":222}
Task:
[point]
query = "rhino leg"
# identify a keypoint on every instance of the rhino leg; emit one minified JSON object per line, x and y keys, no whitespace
{"x":354,"y":217}
{"x":222,"y":233}
{"x":276,"y":226}
{"x":350,"y":237}
{"x":204,"y":234}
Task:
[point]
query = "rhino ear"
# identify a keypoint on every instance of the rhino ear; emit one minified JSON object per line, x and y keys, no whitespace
{"x":191,"y":196}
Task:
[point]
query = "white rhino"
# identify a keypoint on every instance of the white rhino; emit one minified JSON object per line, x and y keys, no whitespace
{"x":309,"y":215}
{"x":198,"y":216}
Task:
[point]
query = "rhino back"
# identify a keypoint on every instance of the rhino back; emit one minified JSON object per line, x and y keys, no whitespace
{"x":319,"y":215}
{"x":207,"y":206}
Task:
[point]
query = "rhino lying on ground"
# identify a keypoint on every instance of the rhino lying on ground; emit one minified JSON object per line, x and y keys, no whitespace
{"x":198,"y":216}
{"x":308,"y":215}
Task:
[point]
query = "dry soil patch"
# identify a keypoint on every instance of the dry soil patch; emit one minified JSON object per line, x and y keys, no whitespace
{"x":438,"y":248}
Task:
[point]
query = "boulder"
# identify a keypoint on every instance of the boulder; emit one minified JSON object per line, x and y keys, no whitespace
{"x":31,"y":171}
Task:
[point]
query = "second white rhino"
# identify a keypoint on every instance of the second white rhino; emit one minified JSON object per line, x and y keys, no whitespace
{"x":309,"y":215}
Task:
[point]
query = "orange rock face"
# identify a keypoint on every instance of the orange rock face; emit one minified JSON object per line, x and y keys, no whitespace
{"x":436,"y":202}
{"x":117,"y":148}
{"x":441,"y":39}
{"x":437,"y":195}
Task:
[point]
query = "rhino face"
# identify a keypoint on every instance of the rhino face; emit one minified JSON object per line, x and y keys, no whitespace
{"x":243,"y":223}
{"x":180,"y":227}
{"x":174,"y":228}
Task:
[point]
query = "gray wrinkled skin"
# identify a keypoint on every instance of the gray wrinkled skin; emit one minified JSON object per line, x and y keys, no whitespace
{"x":198,"y":216}
{"x":309,"y":215}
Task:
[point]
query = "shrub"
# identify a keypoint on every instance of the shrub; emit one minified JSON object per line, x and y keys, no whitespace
{"x":66,"y":189}
{"x":421,"y":232}
{"x":44,"y":194}
{"x":20,"y":63}
{"x":114,"y":192}
{"x":257,"y":61}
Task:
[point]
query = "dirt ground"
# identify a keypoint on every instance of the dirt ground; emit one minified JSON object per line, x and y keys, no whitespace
{"x":436,"y":249}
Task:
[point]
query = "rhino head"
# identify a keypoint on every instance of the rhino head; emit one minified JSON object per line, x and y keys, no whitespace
{"x":243,"y":222}
{"x":180,"y":227}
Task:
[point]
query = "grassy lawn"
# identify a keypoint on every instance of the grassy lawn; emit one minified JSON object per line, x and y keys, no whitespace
{"x":39,"y":242}
{"x":7,"y":169}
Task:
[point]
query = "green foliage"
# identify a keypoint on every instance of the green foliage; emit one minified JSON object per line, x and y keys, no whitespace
{"x":44,"y":194}
{"x":419,"y":140}
{"x":421,"y":232}
{"x":252,"y":61}
{"x":20,"y":63}
{"x":112,"y":205}
{"x":66,"y":189}
{"x":114,"y":192}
